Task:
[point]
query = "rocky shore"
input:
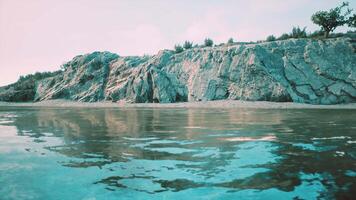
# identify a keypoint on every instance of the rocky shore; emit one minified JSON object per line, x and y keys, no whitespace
{"x":295,"y":70}
{"x":218,"y":104}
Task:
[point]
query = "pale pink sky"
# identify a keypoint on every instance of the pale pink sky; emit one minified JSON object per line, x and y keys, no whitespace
{"x":40,"y":35}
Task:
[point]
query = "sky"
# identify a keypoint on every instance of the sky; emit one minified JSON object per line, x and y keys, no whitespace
{"x":40,"y":35}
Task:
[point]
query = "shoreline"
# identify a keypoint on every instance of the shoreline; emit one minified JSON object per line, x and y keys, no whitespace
{"x":224,"y":104}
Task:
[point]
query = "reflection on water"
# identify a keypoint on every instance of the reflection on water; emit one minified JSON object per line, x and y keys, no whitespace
{"x":177,"y":153}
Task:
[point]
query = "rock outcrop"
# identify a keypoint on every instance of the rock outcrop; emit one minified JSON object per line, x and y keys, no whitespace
{"x":298,"y":70}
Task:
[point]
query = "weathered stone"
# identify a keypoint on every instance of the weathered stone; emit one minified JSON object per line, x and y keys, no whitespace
{"x":298,"y":70}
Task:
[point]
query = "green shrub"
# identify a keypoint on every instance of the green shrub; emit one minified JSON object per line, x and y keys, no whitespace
{"x":298,"y":33}
{"x":352,"y":21}
{"x":208,"y":42}
{"x":316,"y":34}
{"x":187,"y":45}
{"x":336,"y":35}
{"x":230,"y":41}
{"x":284,"y":36}
{"x":38,"y":76}
{"x":178,"y":48}
{"x":270,"y":38}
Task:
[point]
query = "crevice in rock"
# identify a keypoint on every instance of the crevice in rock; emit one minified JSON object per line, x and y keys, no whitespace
{"x":150,"y":86}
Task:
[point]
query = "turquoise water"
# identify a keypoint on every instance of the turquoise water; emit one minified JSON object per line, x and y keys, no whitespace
{"x":141,"y":153}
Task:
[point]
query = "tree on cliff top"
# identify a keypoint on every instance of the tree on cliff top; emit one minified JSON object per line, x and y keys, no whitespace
{"x":178,"y":48}
{"x":187,"y":45}
{"x":270,"y":38}
{"x":352,"y":21}
{"x":298,"y":32}
{"x":208,"y":42}
{"x":330,"y":20}
{"x":230,"y":41}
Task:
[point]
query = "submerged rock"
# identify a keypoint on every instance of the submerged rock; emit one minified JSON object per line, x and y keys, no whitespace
{"x":298,"y":70}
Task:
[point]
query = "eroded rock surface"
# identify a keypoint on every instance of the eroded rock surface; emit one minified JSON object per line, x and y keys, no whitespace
{"x":298,"y":70}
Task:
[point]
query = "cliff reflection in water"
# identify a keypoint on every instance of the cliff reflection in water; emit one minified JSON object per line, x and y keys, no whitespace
{"x":159,"y":150}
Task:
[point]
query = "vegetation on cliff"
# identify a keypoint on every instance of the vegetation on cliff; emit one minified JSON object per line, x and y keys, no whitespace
{"x":25,"y":88}
{"x":297,"y":66}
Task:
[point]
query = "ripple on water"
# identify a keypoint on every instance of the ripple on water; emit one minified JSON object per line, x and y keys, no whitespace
{"x":106,"y":154}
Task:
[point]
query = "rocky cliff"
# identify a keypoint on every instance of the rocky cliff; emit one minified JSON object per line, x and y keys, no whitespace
{"x":298,"y":70}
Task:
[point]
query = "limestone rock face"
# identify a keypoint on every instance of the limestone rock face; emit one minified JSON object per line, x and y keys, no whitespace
{"x":298,"y":70}
{"x":84,"y":79}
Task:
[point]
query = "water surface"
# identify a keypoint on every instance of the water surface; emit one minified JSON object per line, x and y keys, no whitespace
{"x":138,"y":153}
